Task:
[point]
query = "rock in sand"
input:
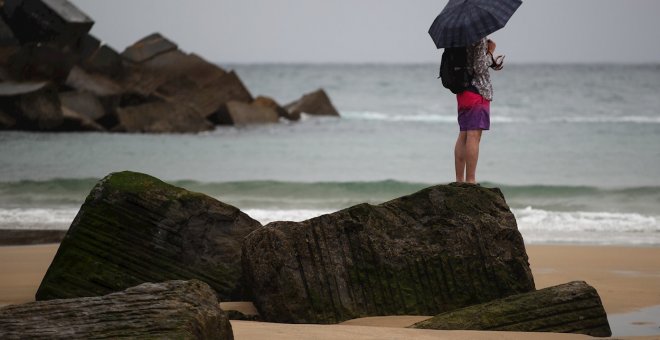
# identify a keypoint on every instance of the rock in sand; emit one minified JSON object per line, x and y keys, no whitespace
{"x":437,"y":250}
{"x":134,"y":228}
{"x":569,"y":308}
{"x":168,"y":310}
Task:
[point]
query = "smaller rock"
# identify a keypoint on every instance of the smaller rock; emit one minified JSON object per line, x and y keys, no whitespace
{"x":207,"y":99}
{"x":316,"y":103}
{"x":74,"y":121}
{"x":84,"y":103}
{"x":569,"y":308}
{"x":86,"y":46}
{"x":104,"y":60}
{"x":168,"y":310}
{"x":95,"y":83}
{"x":148,"y":47}
{"x":272,"y":104}
{"x":55,"y":21}
{"x":38,"y":61}
{"x":33,"y":105}
{"x":107,"y":91}
{"x":238,"y":113}
{"x":161,"y":117}
{"x":148,"y":76}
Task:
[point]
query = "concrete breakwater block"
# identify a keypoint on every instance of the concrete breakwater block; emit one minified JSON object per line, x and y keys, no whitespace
{"x":31,"y":105}
{"x":168,"y":310}
{"x":316,"y":103}
{"x":573,"y":307}
{"x":134,"y":228}
{"x":54,"y":21}
{"x":437,"y":250}
{"x":148,"y":47}
{"x":161,"y":117}
{"x":238,"y":113}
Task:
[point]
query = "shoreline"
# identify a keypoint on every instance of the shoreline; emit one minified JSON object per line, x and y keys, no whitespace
{"x":627,"y":279}
{"x":608,"y":268}
{"x":28,"y":237}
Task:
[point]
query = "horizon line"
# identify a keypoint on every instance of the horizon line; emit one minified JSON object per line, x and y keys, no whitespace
{"x":397,"y":63}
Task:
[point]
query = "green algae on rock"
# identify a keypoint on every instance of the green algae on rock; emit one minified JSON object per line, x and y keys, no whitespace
{"x":134,"y":228}
{"x":574,"y":307}
{"x":440,"y":249}
{"x":169,"y":310}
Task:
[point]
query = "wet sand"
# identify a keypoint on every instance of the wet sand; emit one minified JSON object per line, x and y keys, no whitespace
{"x":627,"y":279}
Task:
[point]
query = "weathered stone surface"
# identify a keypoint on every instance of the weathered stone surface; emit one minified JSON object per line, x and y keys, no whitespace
{"x":316,"y":103}
{"x":105,"y":60}
{"x":272,"y":104}
{"x":168,"y":310}
{"x":148,"y":47}
{"x":569,"y":308}
{"x":437,"y":250}
{"x":238,"y":113}
{"x":41,"y":62}
{"x":133,"y":228}
{"x":208,"y":100}
{"x":33,"y":105}
{"x":84,"y":103}
{"x":148,"y":76}
{"x":107,"y":91}
{"x":161,"y":117}
{"x":86,"y":46}
{"x":54,"y":21}
{"x":75,"y":121}
{"x":8,"y":42}
{"x":95,"y":83}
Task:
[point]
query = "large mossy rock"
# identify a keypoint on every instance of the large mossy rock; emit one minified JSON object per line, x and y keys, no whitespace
{"x":169,"y":310}
{"x":134,"y":228}
{"x":437,"y":250}
{"x":569,"y":308}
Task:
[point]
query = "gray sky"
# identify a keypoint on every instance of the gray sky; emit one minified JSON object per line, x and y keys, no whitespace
{"x":374,"y":31}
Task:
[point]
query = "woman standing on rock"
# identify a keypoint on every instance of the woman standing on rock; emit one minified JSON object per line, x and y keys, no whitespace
{"x":474,"y":108}
{"x":461,"y":29}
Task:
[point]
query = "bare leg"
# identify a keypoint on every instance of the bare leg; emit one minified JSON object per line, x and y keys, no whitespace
{"x":459,"y":156}
{"x":472,"y":155}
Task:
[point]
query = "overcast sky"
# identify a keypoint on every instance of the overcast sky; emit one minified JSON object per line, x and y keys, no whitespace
{"x":375,"y":31}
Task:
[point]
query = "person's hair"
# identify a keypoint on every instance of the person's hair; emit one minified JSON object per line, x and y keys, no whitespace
{"x":497,"y":62}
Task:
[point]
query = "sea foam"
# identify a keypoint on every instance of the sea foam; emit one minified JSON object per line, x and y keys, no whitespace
{"x":537,"y":226}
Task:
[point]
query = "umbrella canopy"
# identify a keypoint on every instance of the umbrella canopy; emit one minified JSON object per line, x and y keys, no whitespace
{"x":464,"y":22}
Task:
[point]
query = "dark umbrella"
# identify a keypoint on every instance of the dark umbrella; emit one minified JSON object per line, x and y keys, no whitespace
{"x":464,"y":22}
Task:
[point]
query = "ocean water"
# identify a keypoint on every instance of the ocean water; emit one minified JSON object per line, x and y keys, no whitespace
{"x":574,"y":148}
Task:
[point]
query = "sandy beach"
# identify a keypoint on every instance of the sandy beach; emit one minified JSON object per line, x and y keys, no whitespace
{"x":627,"y":279}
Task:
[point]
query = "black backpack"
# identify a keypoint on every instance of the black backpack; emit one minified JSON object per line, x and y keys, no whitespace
{"x":454,"y":71}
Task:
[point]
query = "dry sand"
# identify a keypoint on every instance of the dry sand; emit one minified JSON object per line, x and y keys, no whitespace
{"x":627,"y":279}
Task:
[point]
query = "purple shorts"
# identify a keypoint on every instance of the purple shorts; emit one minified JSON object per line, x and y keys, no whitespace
{"x":473,"y":111}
